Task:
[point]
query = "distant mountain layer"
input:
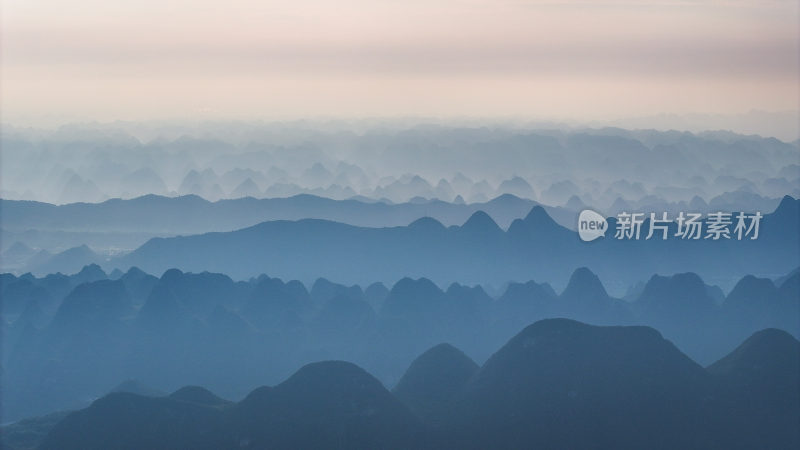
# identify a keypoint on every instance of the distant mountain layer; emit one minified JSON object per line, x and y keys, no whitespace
{"x":193,"y":214}
{"x":557,"y":384}
{"x":479,"y":251}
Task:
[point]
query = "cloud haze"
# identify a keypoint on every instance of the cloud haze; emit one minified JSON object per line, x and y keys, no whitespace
{"x":243,"y":59}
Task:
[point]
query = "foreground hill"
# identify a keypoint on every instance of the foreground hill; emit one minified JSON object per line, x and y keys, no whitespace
{"x":330,"y":404}
{"x":557,"y":384}
{"x":621,"y":387}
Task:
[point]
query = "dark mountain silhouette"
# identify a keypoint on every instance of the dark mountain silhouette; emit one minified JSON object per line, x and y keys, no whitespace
{"x":29,"y":433}
{"x":467,"y":318}
{"x":480,"y":224}
{"x":585,"y":299}
{"x":558,"y":383}
{"x":274,"y":304}
{"x":33,"y":314}
{"x":323,"y":290}
{"x":207,"y":330}
{"x":89,"y":273}
{"x":751,"y":304}
{"x":124,"y":420}
{"x":94,"y":304}
{"x":89,"y":330}
{"x":414,"y":299}
{"x":788,"y":305}
{"x":561,"y":383}
{"x":138,"y":284}
{"x":162,"y":311}
{"x":344,"y":321}
{"x":330,"y":404}
{"x":323,"y":405}
{"x":523,"y":303}
{"x":433,"y":380}
{"x":681,"y":308}
{"x":759,"y":389}
{"x":668,"y":299}
{"x":17,"y":292}
{"x":196,"y":293}
{"x":375,"y":294}
{"x":413,"y":315}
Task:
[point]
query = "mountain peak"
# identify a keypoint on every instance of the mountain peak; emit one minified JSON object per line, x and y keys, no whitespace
{"x":439,"y":370}
{"x":171,"y":275}
{"x":90,"y":272}
{"x":426,"y":223}
{"x":789,"y":206}
{"x":751,"y":290}
{"x":685,"y":283}
{"x":333,"y":379}
{"x":434,"y":378}
{"x":584,"y":281}
{"x":766,"y":353}
{"x":479,"y":221}
{"x":538,"y":217}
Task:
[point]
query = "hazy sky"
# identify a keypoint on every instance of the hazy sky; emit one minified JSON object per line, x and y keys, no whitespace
{"x":155,"y":59}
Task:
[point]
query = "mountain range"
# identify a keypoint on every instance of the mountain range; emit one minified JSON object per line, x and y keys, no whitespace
{"x":32,"y":231}
{"x":67,"y":339}
{"x":536,"y":244}
{"x":556,"y":384}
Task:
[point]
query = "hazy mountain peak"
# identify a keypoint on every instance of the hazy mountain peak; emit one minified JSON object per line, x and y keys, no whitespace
{"x":18,"y":249}
{"x":90,"y":272}
{"x":134,"y":272}
{"x":171,"y":275}
{"x":751,"y":288}
{"x":427,"y":223}
{"x":788,"y":209}
{"x":198,"y":395}
{"x":688,"y":283}
{"x":95,"y":302}
{"x":582,"y":282}
{"x":538,"y":217}
{"x":481,"y":222}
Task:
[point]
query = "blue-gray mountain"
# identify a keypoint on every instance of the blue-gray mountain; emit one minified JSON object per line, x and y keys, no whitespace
{"x":67,"y":339}
{"x":478,"y":251}
{"x":556,"y":384}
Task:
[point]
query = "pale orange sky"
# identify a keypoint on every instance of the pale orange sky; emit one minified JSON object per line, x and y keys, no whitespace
{"x":583,"y":60}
